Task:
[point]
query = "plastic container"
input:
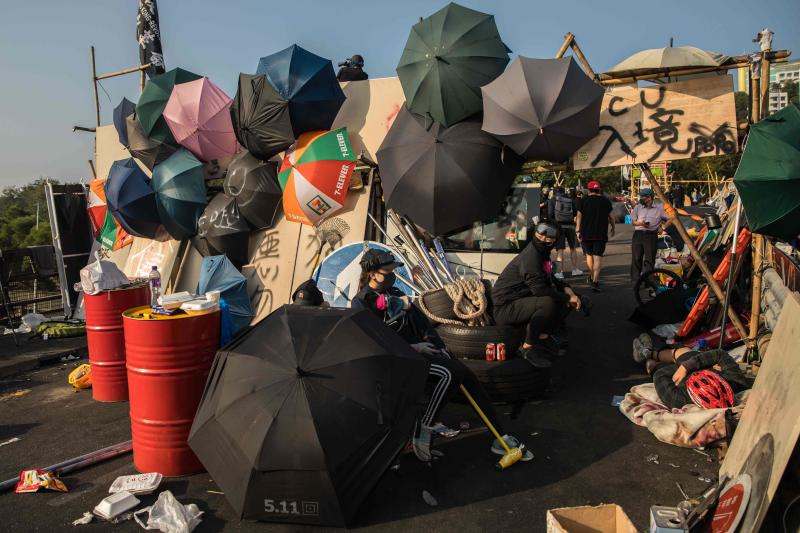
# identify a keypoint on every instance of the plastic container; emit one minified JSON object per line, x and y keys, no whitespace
{"x":116,"y":504}
{"x":199,"y":307}
{"x":137,"y":483}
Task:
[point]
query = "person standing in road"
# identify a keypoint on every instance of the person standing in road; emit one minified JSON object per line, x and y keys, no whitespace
{"x":593,"y":220}
{"x":647,"y":217}
{"x":563,"y":209}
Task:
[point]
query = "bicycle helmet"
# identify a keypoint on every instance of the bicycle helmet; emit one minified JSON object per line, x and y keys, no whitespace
{"x":709,"y":391}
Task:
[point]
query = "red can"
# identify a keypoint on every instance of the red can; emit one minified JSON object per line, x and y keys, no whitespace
{"x":501,"y":351}
{"x":491,"y":351}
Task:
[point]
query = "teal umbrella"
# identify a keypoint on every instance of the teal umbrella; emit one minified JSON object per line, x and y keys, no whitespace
{"x":449,"y":56}
{"x":153,"y":100}
{"x":768,"y":177}
{"x":180,"y":193}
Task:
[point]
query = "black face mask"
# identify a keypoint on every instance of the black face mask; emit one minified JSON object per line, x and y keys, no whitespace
{"x":543,"y":247}
{"x":388,"y":281}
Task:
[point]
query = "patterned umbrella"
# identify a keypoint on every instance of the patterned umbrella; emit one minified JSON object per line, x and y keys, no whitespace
{"x":180,"y":193}
{"x":315,"y":175}
{"x":154,"y":99}
{"x":131,"y":200}
{"x":198,"y":115}
{"x":221,"y":230}
{"x":107,"y":231}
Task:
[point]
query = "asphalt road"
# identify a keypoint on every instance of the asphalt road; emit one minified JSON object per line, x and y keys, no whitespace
{"x":587,"y":453}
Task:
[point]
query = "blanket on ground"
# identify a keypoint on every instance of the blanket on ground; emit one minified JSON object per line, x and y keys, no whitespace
{"x":689,"y":427}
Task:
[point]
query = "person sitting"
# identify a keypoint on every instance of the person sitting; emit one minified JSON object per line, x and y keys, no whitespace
{"x":378,"y":294}
{"x":682,"y":376}
{"x":526,"y":293}
{"x":352,"y":69}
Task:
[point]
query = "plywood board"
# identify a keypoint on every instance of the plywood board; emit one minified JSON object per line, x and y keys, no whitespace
{"x":107,"y":150}
{"x":144,"y":253}
{"x":770,"y":423}
{"x":680,"y":120}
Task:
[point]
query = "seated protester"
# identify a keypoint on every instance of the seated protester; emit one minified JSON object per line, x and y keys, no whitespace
{"x":378,"y":294}
{"x":682,"y":376}
{"x":308,"y":294}
{"x":527,"y":293}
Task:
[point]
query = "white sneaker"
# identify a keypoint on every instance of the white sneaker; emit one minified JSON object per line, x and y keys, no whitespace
{"x":559,"y":275}
{"x":577,"y":272}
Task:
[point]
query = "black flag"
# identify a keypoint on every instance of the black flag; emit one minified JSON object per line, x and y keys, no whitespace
{"x":149,"y":37}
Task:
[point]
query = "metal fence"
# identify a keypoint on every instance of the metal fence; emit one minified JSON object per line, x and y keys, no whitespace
{"x":29,"y":283}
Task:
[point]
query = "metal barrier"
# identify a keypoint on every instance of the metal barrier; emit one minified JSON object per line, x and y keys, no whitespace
{"x":29,"y":283}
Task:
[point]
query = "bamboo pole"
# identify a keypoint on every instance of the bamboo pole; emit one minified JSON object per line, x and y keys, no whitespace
{"x":568,"y":38}
{"x":764,"y":85}
{"x":701,"y":264}
{"x":582,"y":58}
{"x":94,"y":89}
{"x":91,"y":167}
{"x":607,"y":80}
{"x":123,"y":72}
{"x":142,"y":80}
{"x":755,"y":103}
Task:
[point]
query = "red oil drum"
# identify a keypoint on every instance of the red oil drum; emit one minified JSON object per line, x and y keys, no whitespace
{"x":168,"y":359}
{"x":106,"y":341}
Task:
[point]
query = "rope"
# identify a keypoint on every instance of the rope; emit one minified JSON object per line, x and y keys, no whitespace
{"x":469,"y":303}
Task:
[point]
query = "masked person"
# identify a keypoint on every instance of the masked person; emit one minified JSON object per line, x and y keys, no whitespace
{"x":527,"y":293}
{"x":352,"y":69}
{"x":646,"y":218}
{"x":563,"y":208}
{"x":378,"y":294}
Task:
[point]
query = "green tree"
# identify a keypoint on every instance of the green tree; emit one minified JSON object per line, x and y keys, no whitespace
{"x":742,"y":106}
{"x":18,"y":205}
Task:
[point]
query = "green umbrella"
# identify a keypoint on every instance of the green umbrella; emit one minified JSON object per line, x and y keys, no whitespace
{"x":180,"y":193}
{"x":154,"y":99}
{"x":768,"y":177}
{"x":449,"y":56}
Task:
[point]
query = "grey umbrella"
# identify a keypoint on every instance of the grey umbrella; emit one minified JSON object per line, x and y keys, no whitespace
{"x":148,"y":151}
{"x":542,"y":108}
{"x":667,"y":58}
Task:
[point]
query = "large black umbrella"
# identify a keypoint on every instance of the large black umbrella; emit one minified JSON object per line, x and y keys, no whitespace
{"x":125,"y":109}
{"x":304,"y":412}
{"x":542,"y":108}
{"x":261,"y":117}
{"x":444,"y":178}
{"x":222,"y":230}
{"x":254,"y":185}
{"x":149,"y":151}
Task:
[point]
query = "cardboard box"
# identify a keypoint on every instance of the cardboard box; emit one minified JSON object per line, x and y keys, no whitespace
{"x":607,"y":518}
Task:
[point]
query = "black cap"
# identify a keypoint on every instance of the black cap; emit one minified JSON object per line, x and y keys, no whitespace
{"x":373,"y":259}
{"x":357,"y":60}
{"x":308,"y":294}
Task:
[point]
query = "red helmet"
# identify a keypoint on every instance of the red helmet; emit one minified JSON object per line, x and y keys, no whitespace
{"x":594,"y":185}
{"x":709,"y":390}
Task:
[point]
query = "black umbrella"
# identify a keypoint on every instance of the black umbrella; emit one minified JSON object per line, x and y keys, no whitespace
{"x":542,"y":108}
{"x":303,"y":413}
{"x":254,"y":185}
{"x":221,"y":230}
{"x":125,"y":109}
{"x":150,"y":152}
{"x":260,"y":117}
{"x":444,"y":178}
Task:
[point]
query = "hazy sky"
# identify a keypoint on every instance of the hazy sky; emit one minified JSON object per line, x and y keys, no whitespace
{"x":46,"y":74}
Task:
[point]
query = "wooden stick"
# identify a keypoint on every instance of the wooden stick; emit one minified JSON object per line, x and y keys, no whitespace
{"x":701,"y":264}
{"x":764,"y":85}
{"x":755,"y":106}
{"x":123,"y":72}
{"x":758,"y":263}
{"x":582,"y":58}
{"x":142,"y":80}
{"x":91,"y":166}
{"x":607,"y":80}
{"x":94,"y":89}
{"x":568,"y":38}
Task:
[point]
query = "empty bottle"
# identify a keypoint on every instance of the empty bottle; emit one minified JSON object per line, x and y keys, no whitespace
{"x":155,"y":286}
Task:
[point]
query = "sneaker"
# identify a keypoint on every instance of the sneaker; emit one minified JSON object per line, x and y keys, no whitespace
{"x":642,"y":348}
{"x":559,"y":275}
{"x":534,"y":357}
{"x":577,"y":272}
{"x":596,"y":286}
{"x":511,"y":442}
{"x":554,"y":345}
{"x":422,"y":443}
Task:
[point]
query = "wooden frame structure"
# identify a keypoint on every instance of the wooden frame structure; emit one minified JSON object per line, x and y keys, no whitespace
{"x":96,"y":78}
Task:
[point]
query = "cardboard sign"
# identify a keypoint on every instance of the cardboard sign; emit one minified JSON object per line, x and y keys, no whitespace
{"x":680,"y":120}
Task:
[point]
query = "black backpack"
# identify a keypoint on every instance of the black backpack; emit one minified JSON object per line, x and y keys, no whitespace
{"x":563,"y":210}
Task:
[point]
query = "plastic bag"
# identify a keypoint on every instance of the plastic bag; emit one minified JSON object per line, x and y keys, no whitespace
{"x":32,"y":320}
{"x":169,"y":515}
{"x":101,"y":275}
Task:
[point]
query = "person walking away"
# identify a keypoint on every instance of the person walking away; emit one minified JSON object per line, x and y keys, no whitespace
{"x":526,"y":293}
{"x":593,"y":221}
{"x":352,"y":69}
{"x":544,"y":199}
{"x":646,"y":217}
{"x":562,"y":208}
{"x":695,"y":196}
{"x":378,"y":294}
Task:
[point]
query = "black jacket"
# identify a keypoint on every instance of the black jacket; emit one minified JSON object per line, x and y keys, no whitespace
{"x":526,"y":275}
{"x":351,"y":74}
{"x":412,"y":325}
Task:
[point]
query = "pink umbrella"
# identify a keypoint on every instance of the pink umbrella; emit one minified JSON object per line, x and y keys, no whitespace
{"x":198,"y":114}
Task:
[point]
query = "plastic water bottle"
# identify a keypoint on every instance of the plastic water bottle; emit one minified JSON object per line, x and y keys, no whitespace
{"x":155,"y":286}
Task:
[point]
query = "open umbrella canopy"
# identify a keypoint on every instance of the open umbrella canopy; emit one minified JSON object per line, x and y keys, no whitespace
{"x":217,"y":273}
{"x":768,"y":177}
{"x":180,"y":193}
{"x":150,"y":152}
{"x":308,"y":84}
{"x":260,"y":117}
{"x":315,"y":176}
{"x":444,"y":178}
{"x":154,"y":99}
{"x":669,"y":57}
{"x":198,"y":115}
{"x":222,"y":230}
{"x":125,"y":109}
{"x":254,"y":185}
{"x":449,"y":56}
{"x":132,"y":201}
{"x":306,"y":411}
{"x":542,"y":108}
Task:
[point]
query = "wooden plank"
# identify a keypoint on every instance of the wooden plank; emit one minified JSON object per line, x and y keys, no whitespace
{"x":770,"y":424}
{"x":680,"y":120}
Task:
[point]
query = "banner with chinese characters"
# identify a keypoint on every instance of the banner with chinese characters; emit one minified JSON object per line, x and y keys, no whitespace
{"x":679,"y":120}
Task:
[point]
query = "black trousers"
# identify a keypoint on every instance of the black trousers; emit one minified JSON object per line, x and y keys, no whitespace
{"x":643,"y":252}
{"x":540,"y":314}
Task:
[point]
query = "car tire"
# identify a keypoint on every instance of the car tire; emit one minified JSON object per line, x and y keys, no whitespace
{"x":511,"y":381}
{"x":469,"y":342}
{"x":439,"y":304}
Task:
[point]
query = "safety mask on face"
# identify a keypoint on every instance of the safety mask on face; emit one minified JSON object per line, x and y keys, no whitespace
{"x":388,"y":281}
{"x":543,"y":247}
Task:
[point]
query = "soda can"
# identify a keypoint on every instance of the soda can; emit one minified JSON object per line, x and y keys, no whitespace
{"x":491,"y":351}
{"x":501,"y":351}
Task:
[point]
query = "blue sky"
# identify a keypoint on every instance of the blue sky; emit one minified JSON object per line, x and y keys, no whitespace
{"x":46,"y":77}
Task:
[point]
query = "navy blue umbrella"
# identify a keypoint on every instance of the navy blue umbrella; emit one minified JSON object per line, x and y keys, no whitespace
{"x":125,"y":109}
{"x":217,"y":273}
{"x":308,"y":82}
{"x":132,"y":201}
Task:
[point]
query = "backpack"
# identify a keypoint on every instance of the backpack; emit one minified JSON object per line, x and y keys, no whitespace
{"x":563,"y":210}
